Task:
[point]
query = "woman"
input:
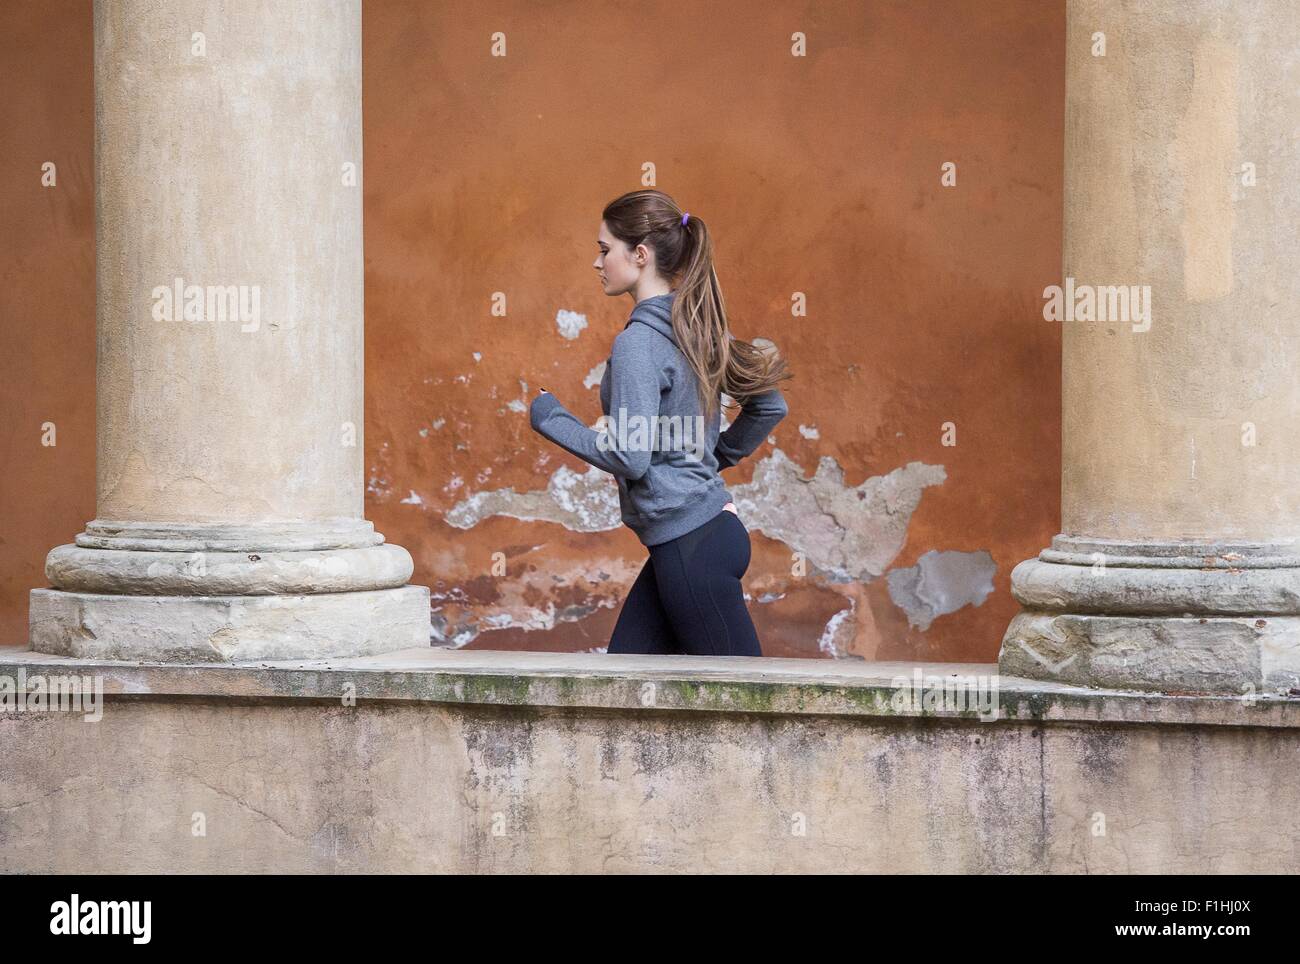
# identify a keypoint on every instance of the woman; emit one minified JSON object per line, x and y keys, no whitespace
{"x":661,"y":389}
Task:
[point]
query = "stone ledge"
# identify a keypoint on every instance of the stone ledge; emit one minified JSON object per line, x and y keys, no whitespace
{"x":684,"y":683}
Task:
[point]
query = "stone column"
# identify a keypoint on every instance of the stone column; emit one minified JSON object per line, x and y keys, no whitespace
{"x":1178,"y":566}
{"x":230,"y":518}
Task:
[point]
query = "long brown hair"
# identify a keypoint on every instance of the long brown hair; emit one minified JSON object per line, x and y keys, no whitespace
{"x":684,"y":253}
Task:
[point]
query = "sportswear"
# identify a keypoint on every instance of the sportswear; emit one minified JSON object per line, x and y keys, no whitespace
{"x":656,"y":442}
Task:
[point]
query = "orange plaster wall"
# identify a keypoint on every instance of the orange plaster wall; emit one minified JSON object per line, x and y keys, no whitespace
{"x":47,"y":293}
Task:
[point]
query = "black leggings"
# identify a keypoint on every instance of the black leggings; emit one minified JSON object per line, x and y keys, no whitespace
{"x":688,"y":599}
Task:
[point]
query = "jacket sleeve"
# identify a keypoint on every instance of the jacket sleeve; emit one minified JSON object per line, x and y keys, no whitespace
{"x":633,"y":391}
{"x":758,"y":416}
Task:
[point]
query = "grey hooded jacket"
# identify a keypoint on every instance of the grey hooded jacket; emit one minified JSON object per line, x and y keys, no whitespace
{"x":656,"y":442}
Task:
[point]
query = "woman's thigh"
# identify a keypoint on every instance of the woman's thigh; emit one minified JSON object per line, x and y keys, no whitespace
{"x":698,"y":577}
{"x":643,"y":626}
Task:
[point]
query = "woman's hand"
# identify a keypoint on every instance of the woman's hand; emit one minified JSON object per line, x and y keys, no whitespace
{"x":542,"y":405}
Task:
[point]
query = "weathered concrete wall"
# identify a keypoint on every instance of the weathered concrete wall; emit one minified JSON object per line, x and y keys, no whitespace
{"x":485,"y":174}
{"x":449,"y":763}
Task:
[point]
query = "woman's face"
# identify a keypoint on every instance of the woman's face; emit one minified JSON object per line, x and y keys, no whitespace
{"x":616,"y":263}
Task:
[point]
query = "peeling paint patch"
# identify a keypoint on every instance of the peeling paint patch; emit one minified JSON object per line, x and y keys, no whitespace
{"x":941,"y":583}
{"x":570,"y":323}
{"x":838,"y":634}
{"x":849,"y":533}
{"x":413,"y":499}
{"x":519,"y":404}
{"x":521,"y":604}
{"x":581,"y":503}
{"x":444,"y":633}
{"x":809,"y":431}
{"x":594,"y":376}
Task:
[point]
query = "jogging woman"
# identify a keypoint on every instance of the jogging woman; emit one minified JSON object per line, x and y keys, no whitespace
{"x":661,"y":392}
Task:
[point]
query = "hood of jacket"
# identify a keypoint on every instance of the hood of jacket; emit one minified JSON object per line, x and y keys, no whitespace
{"x":657,"y":313}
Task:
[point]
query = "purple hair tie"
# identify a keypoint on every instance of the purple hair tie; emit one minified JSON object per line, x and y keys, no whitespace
{"x":684,"y":217}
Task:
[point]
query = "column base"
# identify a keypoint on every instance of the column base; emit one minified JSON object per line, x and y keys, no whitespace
{"x":1165,"y":617}
{"x":211,"y":573}
{"x":221,"y":629}
{"x":1172,"y":654}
